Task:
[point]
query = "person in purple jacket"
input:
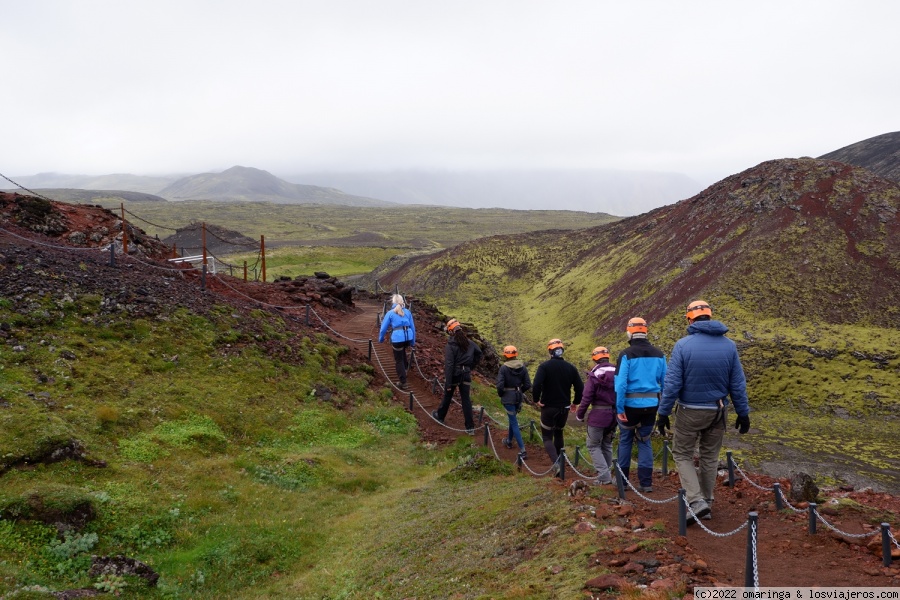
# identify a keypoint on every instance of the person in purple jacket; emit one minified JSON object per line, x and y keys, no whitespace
{"x":600,"y":395}
{"x":703,"y":372}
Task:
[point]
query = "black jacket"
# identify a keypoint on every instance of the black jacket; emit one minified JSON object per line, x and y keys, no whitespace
{"x":554,"y":381}
{"x":458,"y":365}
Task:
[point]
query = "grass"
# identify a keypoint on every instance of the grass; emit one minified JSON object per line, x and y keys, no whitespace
{"x":338,"y":262}
{"x":403,"y":227}
{"x":225,"y":471}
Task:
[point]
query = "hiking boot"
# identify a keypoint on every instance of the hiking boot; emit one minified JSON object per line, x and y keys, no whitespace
{"x":523,"y":454}
{"x":403,"y":386}
{"x":700,"y":509}
{"x":604,"y":482}
{"x":708,"y":516}
{"x":434,"y":415}
{"x":470,"y":431}
{"x":647,"y":489}
{"x":508,"y":443}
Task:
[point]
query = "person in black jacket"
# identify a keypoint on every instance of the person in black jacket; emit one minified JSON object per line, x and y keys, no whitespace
{"x":461,"y":355}
{"x":512,"y":382}
{"x":553,"y":385}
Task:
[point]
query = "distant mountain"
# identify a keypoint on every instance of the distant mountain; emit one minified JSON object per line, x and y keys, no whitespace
{"x":879,"y":154}
{"x":592,"y":190}
{"x":246,"y":184}
{"x":119,"y":181}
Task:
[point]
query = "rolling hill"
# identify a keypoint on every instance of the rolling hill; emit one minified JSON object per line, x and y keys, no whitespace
{"x":249,"y":184}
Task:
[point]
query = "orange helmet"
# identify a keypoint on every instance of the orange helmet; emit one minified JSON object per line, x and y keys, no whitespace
{"x":510,"y":351}
{"x":698,"y":308}
{"x":636,"y":325}
{"x":554,"y":344}
{"x":599,"y":352}
{"x":452,"y":324}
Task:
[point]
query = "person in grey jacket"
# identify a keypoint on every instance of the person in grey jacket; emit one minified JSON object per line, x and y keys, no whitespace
{"x":703,"y":372}
{"x":512,"y":382}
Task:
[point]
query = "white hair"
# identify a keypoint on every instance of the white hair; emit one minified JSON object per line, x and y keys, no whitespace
{"x":397,"y":299}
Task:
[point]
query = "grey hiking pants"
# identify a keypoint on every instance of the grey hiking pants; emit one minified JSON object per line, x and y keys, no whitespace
{"x":704,"y":429}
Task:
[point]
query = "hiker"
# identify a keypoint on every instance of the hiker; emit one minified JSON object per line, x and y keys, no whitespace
{"x":403,"y":335}
{"x":461,"y":356}
{"x":640,"y":373}
{"x":704,"y":371}
{"x":554,"y":382}
{"x":600,"y":396}
{"x":512,"y":383}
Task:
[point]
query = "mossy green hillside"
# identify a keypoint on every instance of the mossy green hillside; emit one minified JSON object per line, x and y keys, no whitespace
{"x":241,"y":459}
{"x":799,"y":261}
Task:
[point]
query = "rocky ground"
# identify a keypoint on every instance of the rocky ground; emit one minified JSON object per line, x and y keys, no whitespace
{"x":67,"y":247}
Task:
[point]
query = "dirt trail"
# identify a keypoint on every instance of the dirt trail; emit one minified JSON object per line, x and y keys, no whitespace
{"x":424,"y":397}
{"x":787,"y":554}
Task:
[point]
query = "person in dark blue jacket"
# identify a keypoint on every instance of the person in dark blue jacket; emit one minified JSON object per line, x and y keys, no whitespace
{"x":704,"y":371}
{"x":640,"y":372}
{"x":403,"y":335}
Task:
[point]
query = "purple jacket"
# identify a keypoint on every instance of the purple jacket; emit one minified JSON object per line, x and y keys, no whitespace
{"x":600,"y":395}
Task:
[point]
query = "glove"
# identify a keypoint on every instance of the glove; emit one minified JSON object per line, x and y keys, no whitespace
{"x":662,"y":423}
{"x":742,"y":424}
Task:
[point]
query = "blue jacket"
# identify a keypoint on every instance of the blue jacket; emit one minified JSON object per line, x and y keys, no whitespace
{"x":705,"y":368}
{"x":404,"y":330}
{"x":641,"y":369}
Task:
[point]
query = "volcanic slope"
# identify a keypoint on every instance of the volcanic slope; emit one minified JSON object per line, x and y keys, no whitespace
{"x":799,"y":257}
{"x":879,"y":154}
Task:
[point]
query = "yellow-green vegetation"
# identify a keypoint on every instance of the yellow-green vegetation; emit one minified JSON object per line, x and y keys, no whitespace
{"x":294,"y":261}
{"x":800,"y":273}
{"x":409,"y":226}
{"x":234,"y":472}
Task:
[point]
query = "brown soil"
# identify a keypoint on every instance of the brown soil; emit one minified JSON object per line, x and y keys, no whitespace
{"x":788,"y":555}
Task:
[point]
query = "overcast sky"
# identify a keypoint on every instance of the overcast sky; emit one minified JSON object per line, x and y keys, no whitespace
{"x":704,"y":88}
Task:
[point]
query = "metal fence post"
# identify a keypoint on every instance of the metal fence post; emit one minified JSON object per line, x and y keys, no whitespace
{"x":577,"y":455}
{"x":730,"y":469}
{"x":812,"y":517}
{"x":410,"y":402}
{"x":620,"y":479}
{"x":778,"y":504}
{"x":370,"y":350}
{"x":682,"y":513}
{"x":886,"y":544}
{"x":749,"y":568}
{"x":487,"y":433}
{"x":112,"y":255}
{"x":665,"y":458}
{"x":481,"y":416}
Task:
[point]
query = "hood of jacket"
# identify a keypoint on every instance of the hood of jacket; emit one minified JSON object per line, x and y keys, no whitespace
{"x":711,"y":327}
{"x":515,"y":365}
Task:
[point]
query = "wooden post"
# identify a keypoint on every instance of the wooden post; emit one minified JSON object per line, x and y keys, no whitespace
{"x":262,"y":251}
{"x":245,"y":271}
{"x":124,"y":230}
{"x":203,"y":242}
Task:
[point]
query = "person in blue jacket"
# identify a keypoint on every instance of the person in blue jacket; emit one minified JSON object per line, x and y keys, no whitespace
{"x":704,"y":371}
{"x":640,"y":372}
{"x":403,"y":335}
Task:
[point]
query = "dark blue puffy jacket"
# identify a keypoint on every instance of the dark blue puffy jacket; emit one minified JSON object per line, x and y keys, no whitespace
{"x":704,"y":368}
